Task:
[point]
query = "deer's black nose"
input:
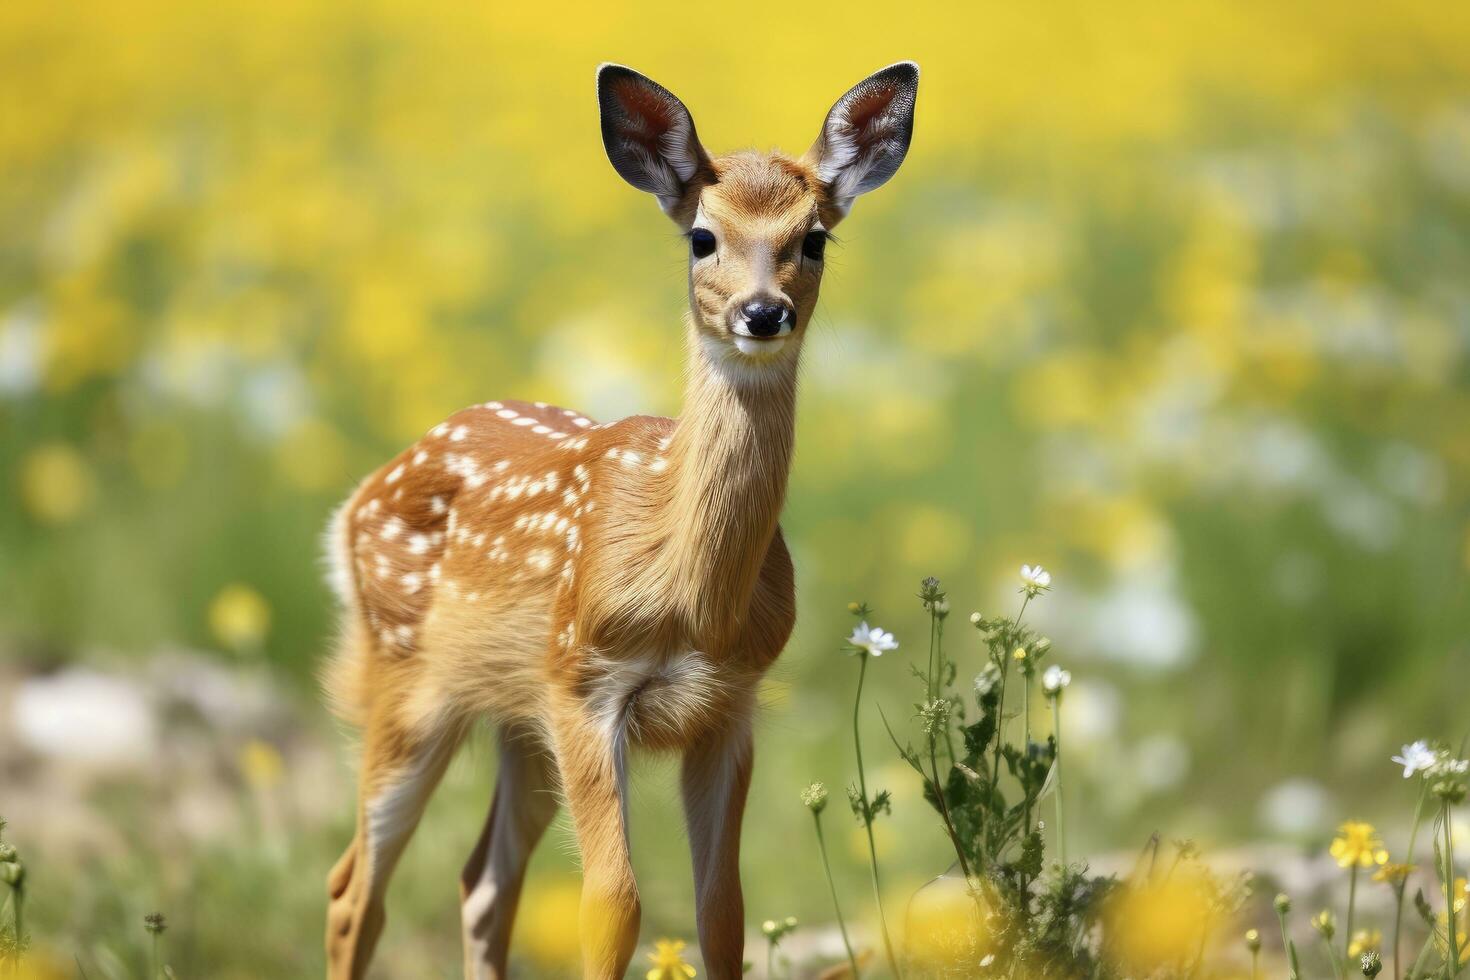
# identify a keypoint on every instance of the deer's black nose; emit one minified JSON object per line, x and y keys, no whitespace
{"x":764,"y":319}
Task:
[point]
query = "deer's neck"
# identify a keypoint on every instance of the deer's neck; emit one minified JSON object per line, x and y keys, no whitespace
{"x":729,"y":459}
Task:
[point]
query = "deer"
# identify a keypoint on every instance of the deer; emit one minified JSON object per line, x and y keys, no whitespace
{"x":595,"y":588}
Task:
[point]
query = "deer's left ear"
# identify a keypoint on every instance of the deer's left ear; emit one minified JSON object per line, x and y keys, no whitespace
{"x":648,"y":134}
{"x":867,"y":133}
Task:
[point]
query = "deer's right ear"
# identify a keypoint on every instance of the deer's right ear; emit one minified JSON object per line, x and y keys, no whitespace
{"x":648,"y":134}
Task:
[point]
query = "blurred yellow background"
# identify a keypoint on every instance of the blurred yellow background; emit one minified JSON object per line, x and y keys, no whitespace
{"x":1169,"y":297}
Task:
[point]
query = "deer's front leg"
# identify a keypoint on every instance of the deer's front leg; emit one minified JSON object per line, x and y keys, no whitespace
{"x":591,"y":754}
{"x":715,"y":781}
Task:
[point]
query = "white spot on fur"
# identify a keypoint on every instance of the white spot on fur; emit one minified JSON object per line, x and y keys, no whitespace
{"x":395,"y":474}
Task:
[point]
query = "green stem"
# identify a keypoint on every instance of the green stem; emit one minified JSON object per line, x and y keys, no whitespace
{"x":1347,"y":939}
{"x":1290,"y":947}
{"x":770,"y":960}
{"x":1255,"y":964}
{"x":1056,"y":720}
{"x":954,"y":836}
{"x":1026,"y":746}
{"x":1398,"y":914}
{"x":19,"y":918}
{"x":1332,"y":958}
{"x":1000,"y":719}
{"x":153,"y":960}
{"x":1452,"y":965}
{"x":836,"y":905}
{"x":857,"y":742}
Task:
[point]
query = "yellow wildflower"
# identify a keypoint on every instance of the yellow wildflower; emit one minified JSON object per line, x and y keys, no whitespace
{"x":1358,"y":843}
{"x":1364,"y":940}
{"x":1393,"y":873}
{"x":56,"y":483}
{"x":668,"y":961}
{"x":239,"y":617}
{"x":261,"y":764}
{"x":1157,"y":923}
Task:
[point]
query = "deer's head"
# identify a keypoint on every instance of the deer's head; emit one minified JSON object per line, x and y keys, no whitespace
{"x":756,"y":223}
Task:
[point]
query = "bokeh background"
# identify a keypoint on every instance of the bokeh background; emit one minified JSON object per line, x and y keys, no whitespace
{"x":1171,"y":298}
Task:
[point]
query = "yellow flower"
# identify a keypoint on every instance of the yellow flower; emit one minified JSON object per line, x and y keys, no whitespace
{"x":1393,"y":873}
{"x":239,"y":617}
{"x":55,"y":483}
{"x":1358,"y":844}
{"x":261,"y":763}
{"x":668,"y":961}
{"x":1364,"y":940}
{"x":1157,"y":923}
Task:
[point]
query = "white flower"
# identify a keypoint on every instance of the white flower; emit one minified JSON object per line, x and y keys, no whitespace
{"x":1034,"y":579}
{"x":1055,"y":679}
{"x":975,"y":619}
{"x":873,"y":639}
{"x":1417,"y":757}
{"x":986,"y":680}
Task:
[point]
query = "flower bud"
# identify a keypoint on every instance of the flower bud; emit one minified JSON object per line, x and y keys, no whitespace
{"x":1371,"y":963}
{"x":13,"y":873}
{"x":155,"y":922}
{"x":814,"y":797}
{"x":976,"y":619}
{"x":7,"y":851}
{"x":1253,"y":940}
{"x":1282,"y":904}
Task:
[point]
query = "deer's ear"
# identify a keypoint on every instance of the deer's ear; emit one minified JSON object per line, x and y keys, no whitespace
{"x":867,"y":133}
{"x":648,"y":134}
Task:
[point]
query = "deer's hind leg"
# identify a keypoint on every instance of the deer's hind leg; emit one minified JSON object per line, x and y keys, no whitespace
{"x":399,"y":772}
{"x":490,"y":887}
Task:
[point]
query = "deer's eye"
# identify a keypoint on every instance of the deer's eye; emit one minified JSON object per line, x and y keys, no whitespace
{"x":814,"y":245}
{"x":702,"y":243}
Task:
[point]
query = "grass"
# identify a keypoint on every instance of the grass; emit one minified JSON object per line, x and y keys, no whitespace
{"x":1012,"y":906}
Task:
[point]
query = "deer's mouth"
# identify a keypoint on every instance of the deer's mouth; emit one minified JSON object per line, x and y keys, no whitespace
{"x":759,"y":346}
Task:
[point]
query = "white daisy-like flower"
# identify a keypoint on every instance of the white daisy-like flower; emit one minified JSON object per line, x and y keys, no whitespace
{"x":1054,"y":679}
{"x":1035,"y":579}
{"x":872,"y":639}
{"x":1417,"y":757}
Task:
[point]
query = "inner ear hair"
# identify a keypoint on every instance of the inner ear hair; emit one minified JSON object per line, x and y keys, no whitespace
{"x":649,"y":135}
{"x":866,"y":134}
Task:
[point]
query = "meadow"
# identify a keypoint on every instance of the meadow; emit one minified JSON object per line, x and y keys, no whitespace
{"x":1169,"y":300}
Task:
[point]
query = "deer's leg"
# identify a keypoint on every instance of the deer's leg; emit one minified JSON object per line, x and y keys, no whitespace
{"x":399,"y":773}
{"x":716,"y":777}
{"x":591,"y":756}
{"x":490,"y":886}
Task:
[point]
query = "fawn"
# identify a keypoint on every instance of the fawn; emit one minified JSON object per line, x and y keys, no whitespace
{"x":595,"y":587}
